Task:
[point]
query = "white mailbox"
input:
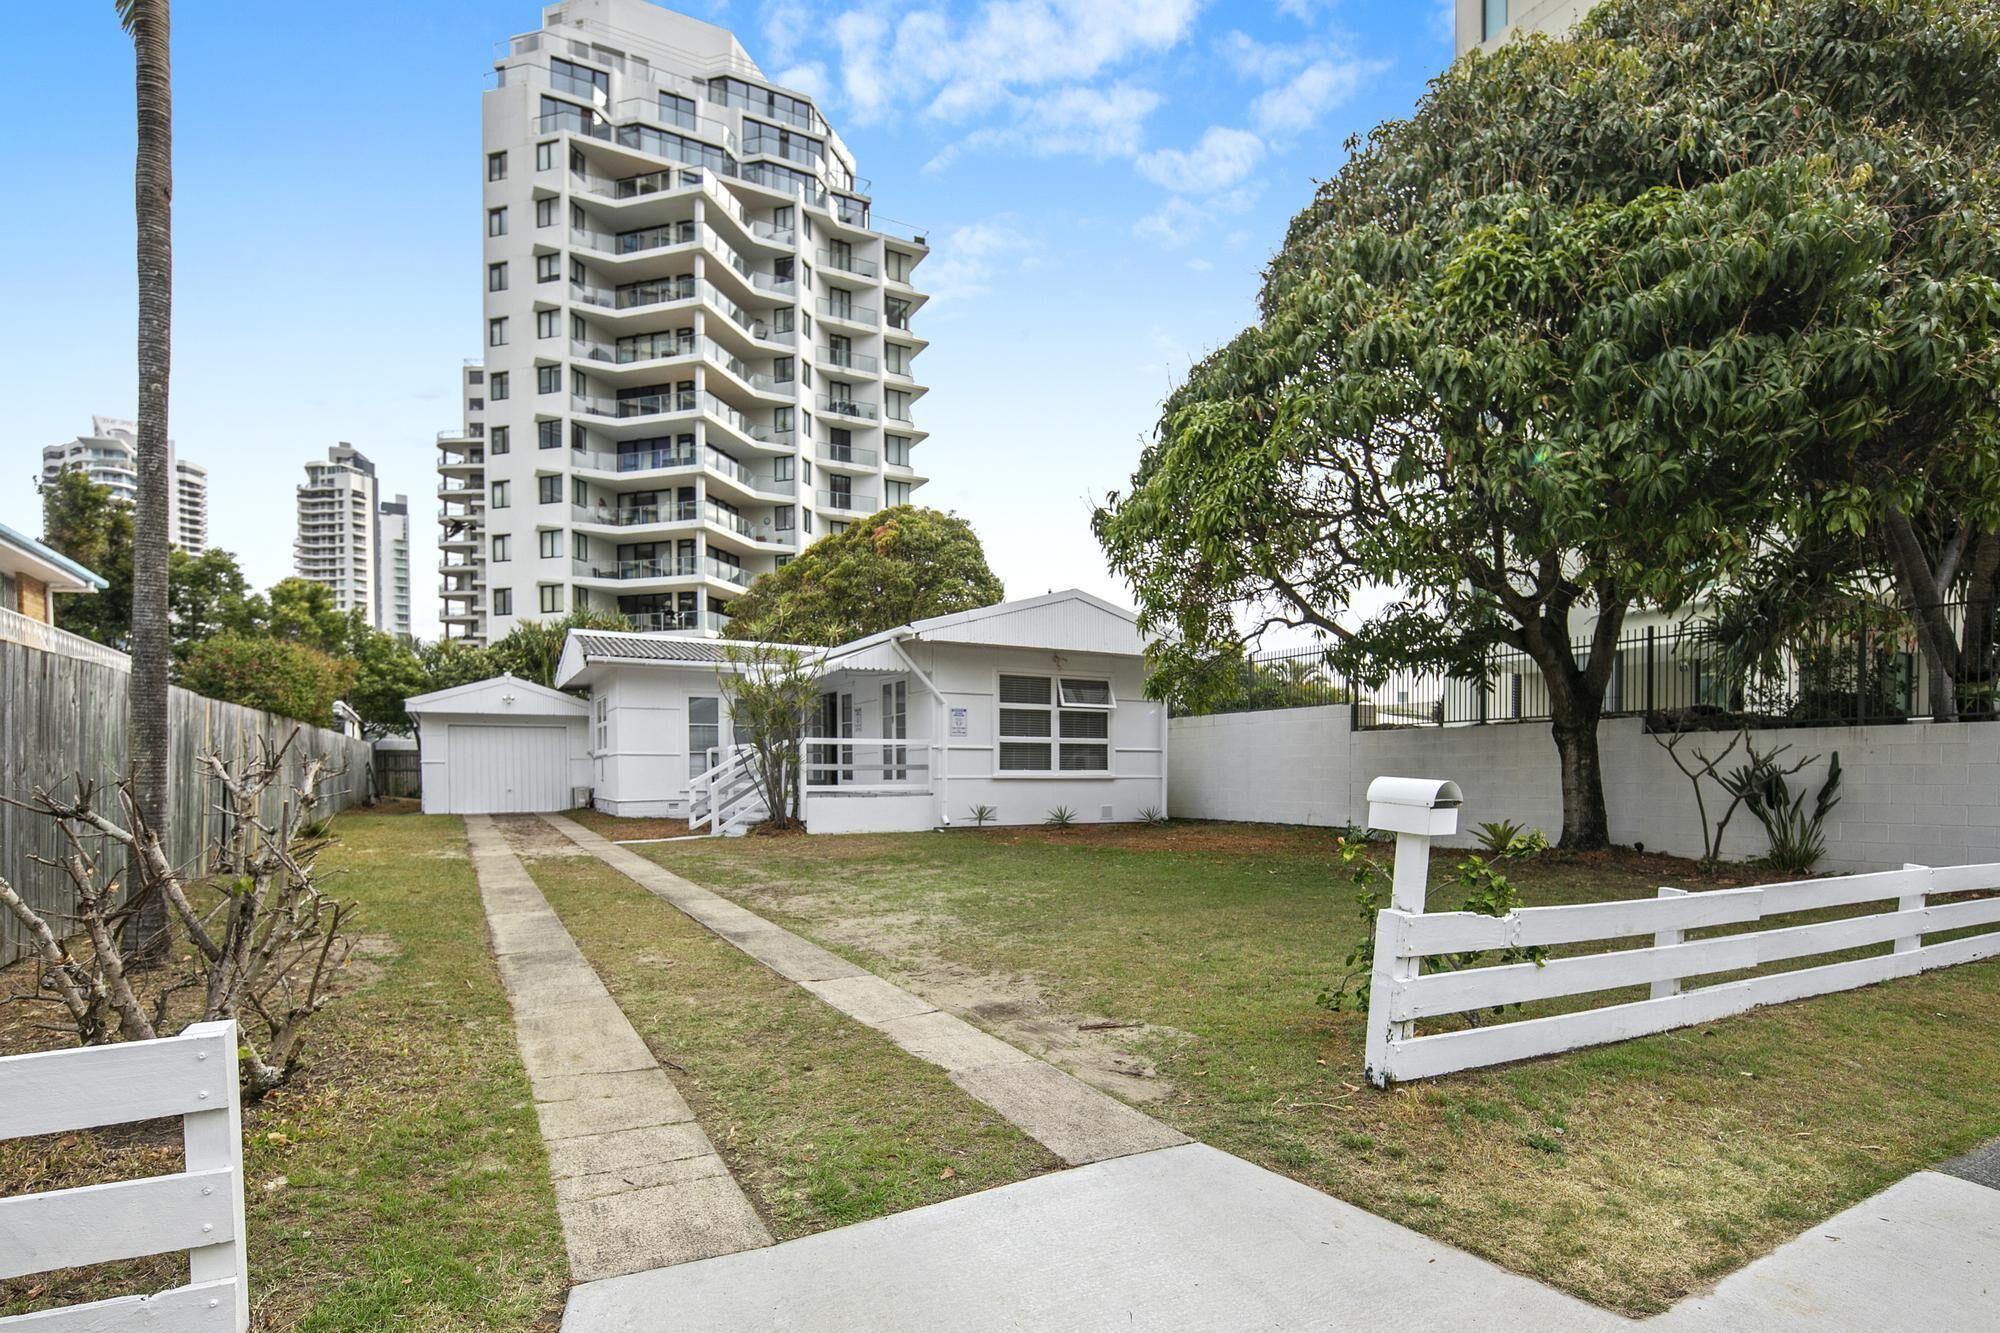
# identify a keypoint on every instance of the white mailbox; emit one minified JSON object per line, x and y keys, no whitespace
{"x":1426,"y":806}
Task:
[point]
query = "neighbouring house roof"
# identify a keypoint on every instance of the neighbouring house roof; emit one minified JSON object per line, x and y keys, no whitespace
{"x":498,"y":696}
{"x":24,"y":555}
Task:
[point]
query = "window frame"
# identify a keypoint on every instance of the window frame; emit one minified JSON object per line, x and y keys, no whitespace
{"x":1053,"y":741}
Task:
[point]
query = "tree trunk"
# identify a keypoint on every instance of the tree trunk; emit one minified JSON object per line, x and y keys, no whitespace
{"x":1586,"y":824}
{"x":147,"y":735}
{"x":1921,"y":585}
{"x":1576,"y":704}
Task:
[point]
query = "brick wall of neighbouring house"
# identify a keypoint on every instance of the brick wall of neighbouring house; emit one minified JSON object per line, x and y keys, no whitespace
{"x":34,"y":596}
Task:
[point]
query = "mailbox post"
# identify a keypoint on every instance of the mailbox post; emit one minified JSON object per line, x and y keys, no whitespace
{"x":1415,"y":810}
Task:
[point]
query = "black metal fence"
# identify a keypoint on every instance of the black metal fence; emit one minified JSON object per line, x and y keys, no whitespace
{"x":1863,"y":672}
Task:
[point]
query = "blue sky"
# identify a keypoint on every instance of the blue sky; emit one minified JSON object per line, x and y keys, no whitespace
{"x":1102,"y":182}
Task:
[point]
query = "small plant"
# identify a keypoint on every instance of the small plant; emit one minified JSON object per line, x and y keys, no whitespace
{"x":1061,"y":817}
{"x":1486,"y":891}
{"x":982,"y":815}
{"x":1351,"y":832}
{"x":1798,"y":839}
{"x":1504,"y":837}
{"x":1152,"y":814}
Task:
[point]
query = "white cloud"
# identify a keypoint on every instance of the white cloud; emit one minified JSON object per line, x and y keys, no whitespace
{"x":1220,"y":159}
{"x":785,"y":21}
{"x":964,"y":263}
{"x":1182,"y":221}
{"x":1267,"y":62}
{"x":809,"y":78}
{"x":1090,"y":122}
{"x":1296,"y":104}
{"x":859,"y":36}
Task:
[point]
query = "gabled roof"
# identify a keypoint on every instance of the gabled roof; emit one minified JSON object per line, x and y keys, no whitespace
{"x":979,"y":625}
{"x":587,"y":647}
{"x":50,"y":566}
{"x":481,"y":696}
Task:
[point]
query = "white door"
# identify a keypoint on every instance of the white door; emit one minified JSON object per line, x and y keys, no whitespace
{"x":507,"y":770}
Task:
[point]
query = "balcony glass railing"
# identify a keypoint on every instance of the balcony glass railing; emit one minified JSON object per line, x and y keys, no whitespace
{"x":844,"y":310}
{"x":665,"y":622}
{"x":848,"y":359}
{"x":728,"y":573}
{"x":730,"y":519}
{"x":848,"y":263}
{"x":846,"y":502}
{"x":846,"y":455}
{"x":669,"y":567}
{"x":634,"y":460}
{"x":846,"y":407}
{"x":632,"y":516}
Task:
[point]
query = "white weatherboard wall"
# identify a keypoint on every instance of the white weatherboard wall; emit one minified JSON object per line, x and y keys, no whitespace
{"x":501,"y":746}
{"x":1922,"y":793}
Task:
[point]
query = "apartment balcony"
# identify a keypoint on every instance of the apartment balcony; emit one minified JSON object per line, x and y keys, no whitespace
{"x":846,"y":407}
{"x":729,"y":573}
{"x":633,"y":461}
{"x":459,"y":491}
{"x":607,"y":515}
{"x":846,"y":502}
{"x":865,"y":268}
{"x":845,"y":312}
{"x":636,"y":571}
{"x":644,"y":240}
{"x":678,"y":622}
{"x":846,"y":457}
{"x":846,"y":358}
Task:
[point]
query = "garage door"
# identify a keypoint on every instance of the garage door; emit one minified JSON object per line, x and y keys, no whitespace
{"x":507,"y":770}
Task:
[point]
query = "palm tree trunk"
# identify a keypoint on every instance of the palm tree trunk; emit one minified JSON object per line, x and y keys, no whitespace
{"x":153,"y":187}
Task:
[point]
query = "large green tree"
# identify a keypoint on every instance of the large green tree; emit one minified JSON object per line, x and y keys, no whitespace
{"x":1560,"y":344}
{"x":82,"y":519}
{"x":902,"y":564}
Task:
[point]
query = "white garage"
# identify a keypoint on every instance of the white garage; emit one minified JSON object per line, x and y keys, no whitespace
{"x":502,"y":746}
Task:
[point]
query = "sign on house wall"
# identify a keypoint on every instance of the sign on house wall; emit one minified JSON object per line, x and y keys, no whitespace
{"x":961,"y":723}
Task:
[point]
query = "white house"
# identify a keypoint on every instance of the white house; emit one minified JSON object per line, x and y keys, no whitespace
{"x":501,"y":746}
{"x":1021,"y":708}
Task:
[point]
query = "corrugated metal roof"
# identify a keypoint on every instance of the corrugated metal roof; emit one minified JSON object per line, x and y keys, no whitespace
{"x":650,"y":647}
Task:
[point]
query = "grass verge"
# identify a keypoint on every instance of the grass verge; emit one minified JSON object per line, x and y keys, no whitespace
{"x":400,"y":1182}
{"x":1629,"y":1174}
{"x":823,"y":1121}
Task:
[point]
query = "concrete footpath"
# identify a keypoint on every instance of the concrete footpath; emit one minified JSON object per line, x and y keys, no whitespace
{"x":638,"y":1184}
{"x":1193,"y":1239}
{"x":1070,"y":1118}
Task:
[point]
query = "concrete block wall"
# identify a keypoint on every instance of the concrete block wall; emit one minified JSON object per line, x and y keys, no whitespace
{"x":1912,"y":792}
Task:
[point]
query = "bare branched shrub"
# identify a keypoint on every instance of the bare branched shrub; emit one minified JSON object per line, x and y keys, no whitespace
{"x":264,"y":952}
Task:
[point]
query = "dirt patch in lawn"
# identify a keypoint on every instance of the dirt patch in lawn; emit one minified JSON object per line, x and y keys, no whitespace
{"x":1234,"y":839}
{"x":627,"y":828}
{"x":534,"y":840}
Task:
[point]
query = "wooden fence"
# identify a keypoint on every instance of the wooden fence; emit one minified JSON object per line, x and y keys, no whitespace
{"x":198,"y":1209}
{"x":1401,"y":994}
{"x":62,"y":718}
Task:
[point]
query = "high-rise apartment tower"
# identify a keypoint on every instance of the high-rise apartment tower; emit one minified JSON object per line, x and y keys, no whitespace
{"x":698,"y":346}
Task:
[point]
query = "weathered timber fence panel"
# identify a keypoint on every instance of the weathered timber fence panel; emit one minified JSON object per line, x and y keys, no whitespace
{"x":1761,"y":928}
{"x":62,"y":719}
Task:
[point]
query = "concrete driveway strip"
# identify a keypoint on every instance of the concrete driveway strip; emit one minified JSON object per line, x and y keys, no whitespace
{"x":1075,"y":1121}
{"x":638,"y":1184}
{"x":1184,"y":1238}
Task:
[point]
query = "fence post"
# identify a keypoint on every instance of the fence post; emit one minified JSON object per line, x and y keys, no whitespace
{"x":213,"y":1140}
{"x":1861,"y":676}
{"x":1661,"y":938}
{"x":1911,"y":902}
{"x":1415,"y":810}
{"x":1649,"y":668}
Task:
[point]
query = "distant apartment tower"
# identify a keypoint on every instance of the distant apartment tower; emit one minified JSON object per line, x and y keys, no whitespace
{"x":1487,"y":23}
{"x":109,"y":456}
{"x":339,"y":538}
{"x":462,"y":512}
{"x":699,"y":354}
{"x":392,"y":533}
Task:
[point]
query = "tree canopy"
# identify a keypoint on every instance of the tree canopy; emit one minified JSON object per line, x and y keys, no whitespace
{"x":900,"y":565}
{"x":1603,"y":322}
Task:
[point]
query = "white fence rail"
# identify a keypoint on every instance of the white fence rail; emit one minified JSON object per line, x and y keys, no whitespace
{"x":1401,"y":995}
{"x":199,"y":1210}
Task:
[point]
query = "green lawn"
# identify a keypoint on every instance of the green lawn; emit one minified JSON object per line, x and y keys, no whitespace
{"x":1629,"y":1174}
{"x":400,"y":1183}
{"x":824,"y":1122}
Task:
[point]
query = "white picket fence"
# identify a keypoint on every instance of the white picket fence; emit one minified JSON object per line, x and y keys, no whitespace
{"x":199,"y":1210}
{"x":1402,"y":995}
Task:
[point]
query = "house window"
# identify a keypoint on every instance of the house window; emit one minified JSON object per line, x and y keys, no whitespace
{"x":548,"y":434}
{"x":896,"y":727}
{"x":704,"y":732}
{"x":551,"y":539}
{"x":496,"y":222}
{"x":496,"y":166}
{"x":545,"y":155}
{"x":503,"y":601}
{"x":551,"y":597}
{"x":496,"y":332}
{"x":1055,"y":723}
{"x":497,"y":390}
{"x":895,"y":493}
{"x":548,"y":490}
{"x":500,"y":497}
{"x":475,"y":404}
{"x":602,"y":706}
{"x":548,"y":379}
{"x":496,"y":440}
{"x":548,"y":268}
{"x":503,"y":548}
{"x":496,"y":277}
{"x":547,"y":322}
{"x":545,"y":212}
{"x":1492,"y":19}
